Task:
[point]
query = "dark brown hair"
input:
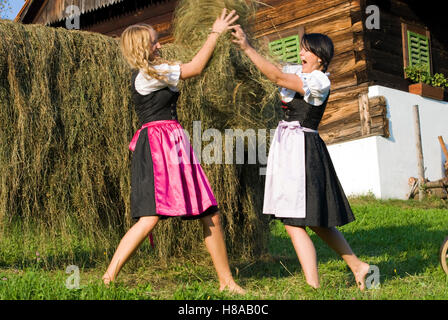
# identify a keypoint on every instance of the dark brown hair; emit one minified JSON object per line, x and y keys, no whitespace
{"x":319,"y":44}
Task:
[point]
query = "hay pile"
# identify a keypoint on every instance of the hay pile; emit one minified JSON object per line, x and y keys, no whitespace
{"x":65,"y":127}
{"x":67,"y":118}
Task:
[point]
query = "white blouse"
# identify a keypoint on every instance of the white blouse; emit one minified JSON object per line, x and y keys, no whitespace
{"x":315,"y":84}
{"x":171,"y":72}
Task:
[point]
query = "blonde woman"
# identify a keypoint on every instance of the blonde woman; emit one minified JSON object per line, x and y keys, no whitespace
{"x":166,"y":179}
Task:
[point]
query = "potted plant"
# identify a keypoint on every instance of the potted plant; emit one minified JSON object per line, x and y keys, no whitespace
{"x":425,"y":84}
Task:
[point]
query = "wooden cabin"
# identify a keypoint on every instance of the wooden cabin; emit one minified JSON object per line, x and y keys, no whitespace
{"x":364,"y":56}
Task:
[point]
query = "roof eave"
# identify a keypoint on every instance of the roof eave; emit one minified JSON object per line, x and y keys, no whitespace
{"x":21,"y":16}
{"x":23,"y":11}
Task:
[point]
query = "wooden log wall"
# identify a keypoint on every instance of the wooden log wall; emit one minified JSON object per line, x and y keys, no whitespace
{"x":350,"y":114}
{"x":384,"y":47}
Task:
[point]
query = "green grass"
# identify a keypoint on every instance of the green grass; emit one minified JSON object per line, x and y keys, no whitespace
{"x":402,"y":238}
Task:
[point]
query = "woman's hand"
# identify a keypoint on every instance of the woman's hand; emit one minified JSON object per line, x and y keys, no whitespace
{"x":224,"y":22}
{"x":197,"y":64}
{"x":240,"y":37}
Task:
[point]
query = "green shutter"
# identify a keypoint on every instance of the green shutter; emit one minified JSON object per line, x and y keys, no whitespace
{"x":418,"y":48}
{"x":286,"y":49}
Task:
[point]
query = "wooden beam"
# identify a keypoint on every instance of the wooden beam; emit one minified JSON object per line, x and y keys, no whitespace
{"x":348,"y":93}
{"x":420,"y":165}
{"x":363,"y":103}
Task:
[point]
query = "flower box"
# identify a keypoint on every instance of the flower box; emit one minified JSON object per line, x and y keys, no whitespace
{"x":427,"y":91}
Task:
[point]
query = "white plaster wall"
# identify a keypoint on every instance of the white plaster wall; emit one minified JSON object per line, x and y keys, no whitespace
{"x":356,"y":164}
{"x":384,"y":165}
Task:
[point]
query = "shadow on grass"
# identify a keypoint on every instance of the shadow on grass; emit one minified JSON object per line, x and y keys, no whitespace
{"x":397,"y":251}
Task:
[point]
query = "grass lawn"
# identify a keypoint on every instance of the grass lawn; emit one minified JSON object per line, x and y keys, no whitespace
{"x":401,"y":238}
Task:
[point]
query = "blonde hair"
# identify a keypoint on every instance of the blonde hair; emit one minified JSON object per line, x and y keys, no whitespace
{"x":135,"y":43}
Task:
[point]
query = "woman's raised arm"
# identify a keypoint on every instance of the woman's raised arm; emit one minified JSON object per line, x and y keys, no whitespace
{"x":285,"y":80}
{"x":198,"y":63}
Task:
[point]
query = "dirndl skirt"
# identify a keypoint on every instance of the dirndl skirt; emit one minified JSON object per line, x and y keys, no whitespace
{"x":166,"y":178}
{"x":302,"y":187}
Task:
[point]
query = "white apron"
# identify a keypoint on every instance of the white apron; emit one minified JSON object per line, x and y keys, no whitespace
{"x":285,"y":188}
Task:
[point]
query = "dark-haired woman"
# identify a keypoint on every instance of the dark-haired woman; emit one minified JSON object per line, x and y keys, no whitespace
{"x":302,"y":188}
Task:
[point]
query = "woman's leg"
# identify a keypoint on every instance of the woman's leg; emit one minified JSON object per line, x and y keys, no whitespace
{"x":214,"y":241}
{"x":306,"y":253}
{"x":334,"y":238}
{"x":128,"y":244}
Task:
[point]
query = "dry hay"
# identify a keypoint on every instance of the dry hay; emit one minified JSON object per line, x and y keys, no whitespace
{"x":64,"y":100}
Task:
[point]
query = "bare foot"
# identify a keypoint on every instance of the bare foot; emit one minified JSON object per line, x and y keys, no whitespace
{"x":314,"y":285}
{"x":232,"y":288}
{"x":106,"y":279}
{"x":360,"y":275}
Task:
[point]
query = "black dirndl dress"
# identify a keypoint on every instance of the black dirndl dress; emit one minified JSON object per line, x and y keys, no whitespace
{"x":325,"y":202}
{"x":166,"y":178}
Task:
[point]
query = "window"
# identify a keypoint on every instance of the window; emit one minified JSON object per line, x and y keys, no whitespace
{"x":285,"y":44}
{"x":416,"y":46}
{"x":287,"y":49}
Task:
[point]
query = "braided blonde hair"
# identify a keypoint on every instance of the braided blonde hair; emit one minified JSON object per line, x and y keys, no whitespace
{"x":136,"y":43}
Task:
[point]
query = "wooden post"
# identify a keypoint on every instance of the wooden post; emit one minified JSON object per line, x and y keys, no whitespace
{"x":445,"y":151}
{"x":418,"y":138}
{"x":442,"y":144}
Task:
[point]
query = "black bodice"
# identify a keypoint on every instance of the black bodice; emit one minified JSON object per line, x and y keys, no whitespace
{"x":158,"y":105}
{"x":307,"y":114}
